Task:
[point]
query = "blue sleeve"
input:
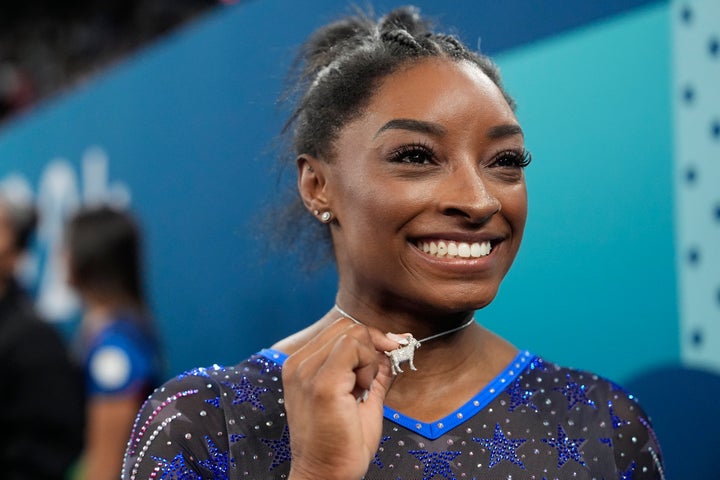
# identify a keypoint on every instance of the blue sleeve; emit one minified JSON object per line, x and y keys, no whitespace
{"x":119,"y":364}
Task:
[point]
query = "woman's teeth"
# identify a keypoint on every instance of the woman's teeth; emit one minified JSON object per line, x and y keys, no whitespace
{"x":455,"y":249}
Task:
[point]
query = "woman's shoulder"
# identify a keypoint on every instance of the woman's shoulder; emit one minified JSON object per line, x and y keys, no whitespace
{"x":577,"y":387}
{"x":223,"y":386}
{"x":188,"y":424}
{"x":578,"y":381}
{"x":602,"y":406}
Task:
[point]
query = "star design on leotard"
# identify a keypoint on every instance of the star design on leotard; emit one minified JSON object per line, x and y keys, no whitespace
{"x":520,"y":396}
{"x":567,"y":448}
{"x":218,"y":463}
{"x":376,"y":459}
{"x":246,"y":392}
{"x":502,"y":448}
{"x":575,"y":393}
{"x":628,"y":474}
{"x":435,"y":463}
{"x":617,"y":422}
{"x":280,"y":448}
{"x":176,"y":468}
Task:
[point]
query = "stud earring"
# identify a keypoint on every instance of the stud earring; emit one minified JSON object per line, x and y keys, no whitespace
{"x":316,"y":212}
{"x":326,"y":217}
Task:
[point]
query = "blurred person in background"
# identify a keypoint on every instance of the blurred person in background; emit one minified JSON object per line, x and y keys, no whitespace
{"x":117,"y":343}
{"x":41,"y":395}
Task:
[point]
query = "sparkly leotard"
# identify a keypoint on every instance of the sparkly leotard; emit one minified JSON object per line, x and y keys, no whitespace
{"x":535,"y":420}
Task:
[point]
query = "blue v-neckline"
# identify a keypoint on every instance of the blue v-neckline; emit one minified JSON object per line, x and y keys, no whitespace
{"x":472,"y":407}
{"x":477,"y":403}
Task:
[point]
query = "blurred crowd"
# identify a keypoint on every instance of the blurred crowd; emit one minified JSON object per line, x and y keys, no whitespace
{"x":47,"y":46}
{"x":67,"y":407}
{"x":68,"y":404}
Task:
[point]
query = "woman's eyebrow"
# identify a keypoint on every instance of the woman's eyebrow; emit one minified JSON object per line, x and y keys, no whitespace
{"x":502,"y":131}
{"x":420,"y":126}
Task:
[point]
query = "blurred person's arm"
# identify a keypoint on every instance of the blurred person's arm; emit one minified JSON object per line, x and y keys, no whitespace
{"x":110,"y":419}
{"x":120,"y":372}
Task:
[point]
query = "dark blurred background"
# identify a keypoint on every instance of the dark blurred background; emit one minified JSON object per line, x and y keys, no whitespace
{"x":47,"y":46}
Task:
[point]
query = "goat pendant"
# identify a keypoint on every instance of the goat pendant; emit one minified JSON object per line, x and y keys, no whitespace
{"x":404,"y":353}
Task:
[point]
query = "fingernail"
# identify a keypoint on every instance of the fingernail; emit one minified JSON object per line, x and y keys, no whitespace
{"x":395,"y":337}
{"x":398,"y":338}
{"x":366,"y":394}
{"x":363,"y":398}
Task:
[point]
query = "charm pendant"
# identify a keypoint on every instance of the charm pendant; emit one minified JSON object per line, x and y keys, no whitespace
{"x":404,"y":353}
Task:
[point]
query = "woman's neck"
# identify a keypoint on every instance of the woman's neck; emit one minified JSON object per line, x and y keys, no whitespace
{"x":392,"y":319}
{"x":449,"y":370}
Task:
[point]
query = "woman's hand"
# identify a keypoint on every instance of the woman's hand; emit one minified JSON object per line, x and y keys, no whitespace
{"x":335,"y":387}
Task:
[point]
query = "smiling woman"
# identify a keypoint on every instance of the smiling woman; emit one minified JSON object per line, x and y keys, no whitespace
{"x":433,"y":170}
{"x":410,"y":158}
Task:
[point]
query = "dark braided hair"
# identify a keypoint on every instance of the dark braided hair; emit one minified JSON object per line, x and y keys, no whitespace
{"x":337,"y":72}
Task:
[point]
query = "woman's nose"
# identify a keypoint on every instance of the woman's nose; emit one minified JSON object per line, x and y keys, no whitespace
{"x":465,"y":194}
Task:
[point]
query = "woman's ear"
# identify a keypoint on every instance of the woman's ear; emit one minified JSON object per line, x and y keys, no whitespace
{"x":311,"y":183}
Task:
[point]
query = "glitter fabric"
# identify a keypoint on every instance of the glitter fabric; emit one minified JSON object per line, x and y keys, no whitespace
{"x":535,"y":421}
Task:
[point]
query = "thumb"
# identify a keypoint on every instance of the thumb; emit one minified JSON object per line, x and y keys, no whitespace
{"x":384,"y":379}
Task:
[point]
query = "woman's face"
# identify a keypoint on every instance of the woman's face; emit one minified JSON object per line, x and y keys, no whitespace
{"x":428,"y":191}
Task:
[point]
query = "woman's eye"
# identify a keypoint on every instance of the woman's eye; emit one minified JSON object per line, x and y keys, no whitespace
{"x":512,"y":159}
{"x":412,"y":155}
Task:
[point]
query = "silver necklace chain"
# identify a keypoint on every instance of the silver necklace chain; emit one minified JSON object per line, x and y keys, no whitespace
{"x":422,"y":340}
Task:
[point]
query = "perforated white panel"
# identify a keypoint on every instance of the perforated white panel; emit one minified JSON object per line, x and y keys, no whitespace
{"x":696,"y":90}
